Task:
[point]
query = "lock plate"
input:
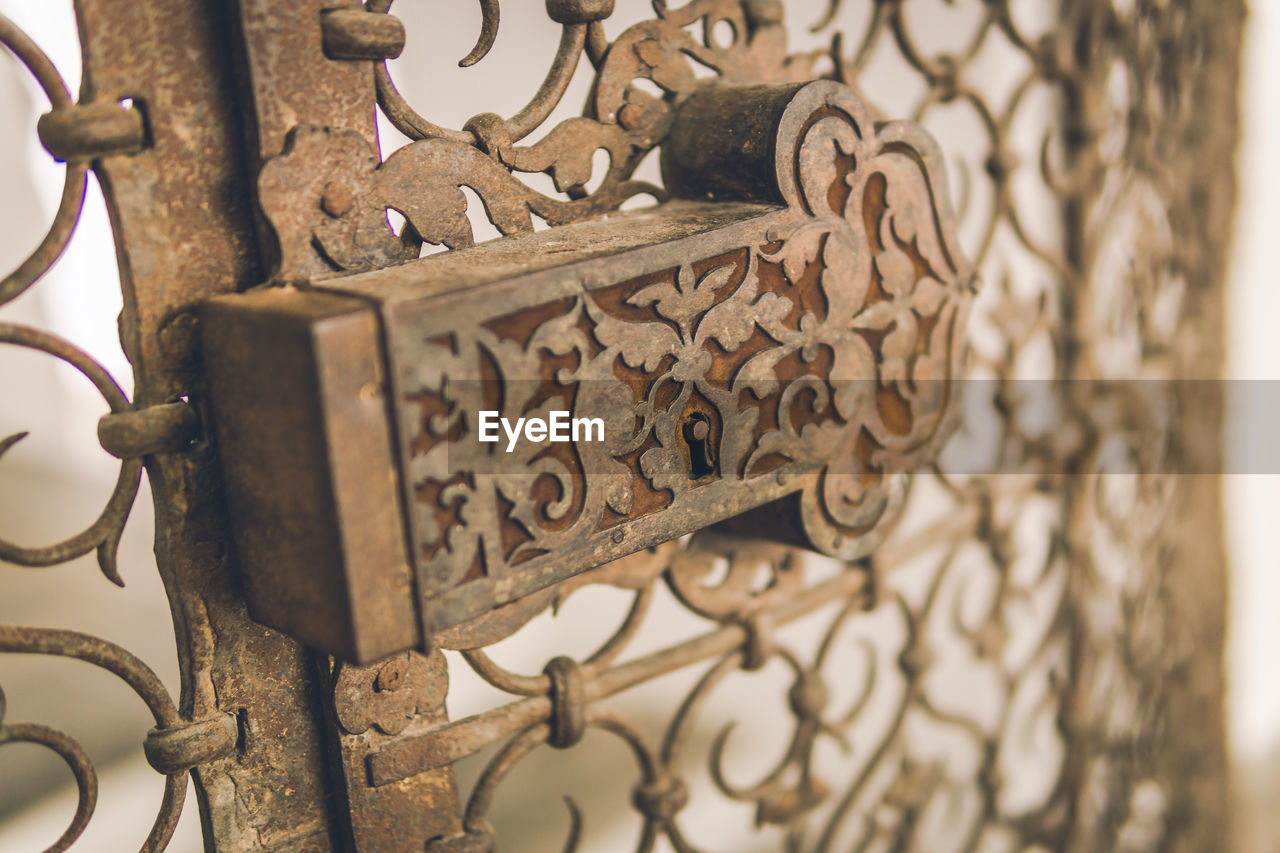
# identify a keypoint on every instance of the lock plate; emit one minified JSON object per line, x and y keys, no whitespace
{"x":772,"y":359}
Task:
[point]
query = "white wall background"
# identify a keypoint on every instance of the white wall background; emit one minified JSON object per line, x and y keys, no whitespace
{"x":1253,"y":304}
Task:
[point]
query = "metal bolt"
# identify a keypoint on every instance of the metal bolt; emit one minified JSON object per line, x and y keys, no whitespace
{"x":618,"y":535}
{"x":338,"y":199}
{"x":390,"y":677}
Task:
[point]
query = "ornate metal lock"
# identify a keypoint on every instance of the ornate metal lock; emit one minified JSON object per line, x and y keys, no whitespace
{"x":770,"y":350}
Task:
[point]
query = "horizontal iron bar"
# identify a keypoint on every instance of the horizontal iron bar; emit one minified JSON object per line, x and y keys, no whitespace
{"x":453,"y":741}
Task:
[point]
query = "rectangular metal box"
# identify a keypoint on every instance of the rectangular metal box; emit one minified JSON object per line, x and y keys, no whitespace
{"x":771,"y":365}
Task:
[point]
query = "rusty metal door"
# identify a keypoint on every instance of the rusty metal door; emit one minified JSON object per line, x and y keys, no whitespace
{"x":895,"y":342}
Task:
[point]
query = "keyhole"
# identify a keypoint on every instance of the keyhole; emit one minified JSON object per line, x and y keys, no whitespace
{"x":697,"y":434}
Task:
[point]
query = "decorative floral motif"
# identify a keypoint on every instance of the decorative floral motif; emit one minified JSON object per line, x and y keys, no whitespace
{"x":818,"y":357}
{"x":424,"y":180}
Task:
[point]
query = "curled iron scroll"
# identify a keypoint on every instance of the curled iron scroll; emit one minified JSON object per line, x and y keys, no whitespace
{"x":103,"y":534}
{"x":139,"y":677}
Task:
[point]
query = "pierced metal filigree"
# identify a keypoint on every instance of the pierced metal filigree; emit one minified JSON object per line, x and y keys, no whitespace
{"x":164,"y":747}
{"x":1000,"y":603}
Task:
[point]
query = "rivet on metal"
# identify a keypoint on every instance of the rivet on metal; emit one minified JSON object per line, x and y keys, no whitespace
{"x":391,"y":676}
{"x":338,"y":198}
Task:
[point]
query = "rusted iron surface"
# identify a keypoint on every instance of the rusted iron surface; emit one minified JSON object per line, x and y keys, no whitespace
{"x":367,"y":707}
{"x":308,"y":457}
{"x":181,"y":210}
{"x":621,"y":119}
{"x":701,"y":320}
{"x":291,"y":81}
{"x":288,"y":80}
{"x":850,"y":250}
{"x":221,"y":130}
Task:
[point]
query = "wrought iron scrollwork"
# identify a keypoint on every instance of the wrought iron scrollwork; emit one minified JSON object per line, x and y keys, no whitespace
{"x":73,"y":187}
{"x":749,"y":613}
{"x":141,"y":679}
{"x":1021,"y":561}
{"x":104,"y":534}
{"x":171,"y":744}
{"x":424,"y":180}
{"x":75,"y":758}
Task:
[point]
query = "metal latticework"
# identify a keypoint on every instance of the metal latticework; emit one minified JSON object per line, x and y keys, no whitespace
{"x":1027,"y":657}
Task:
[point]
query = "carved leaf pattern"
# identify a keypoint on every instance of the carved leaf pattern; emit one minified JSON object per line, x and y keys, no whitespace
{"x":874,"y":288}
{"x":424,"y":179}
